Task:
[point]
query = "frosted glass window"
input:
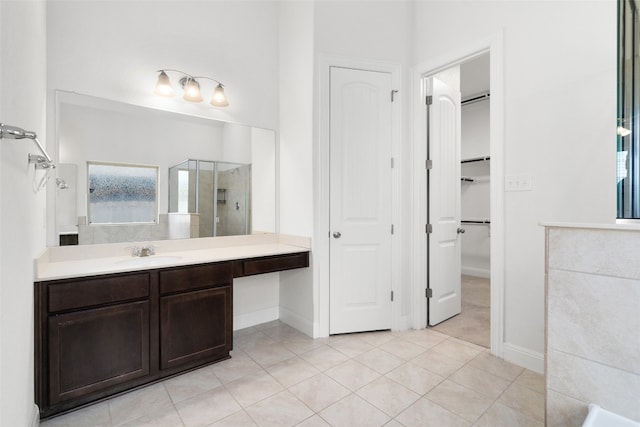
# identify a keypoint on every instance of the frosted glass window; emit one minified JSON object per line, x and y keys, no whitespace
{"x":122,"y":194}
{"x":183,"y":191}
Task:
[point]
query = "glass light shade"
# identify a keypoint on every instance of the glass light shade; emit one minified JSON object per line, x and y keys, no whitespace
{"x":163,"y":87}
{"x":192,"y":91}
{"x":219,"y":99}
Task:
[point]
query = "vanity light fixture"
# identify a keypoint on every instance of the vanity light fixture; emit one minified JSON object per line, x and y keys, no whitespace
{"x":191,"y":88}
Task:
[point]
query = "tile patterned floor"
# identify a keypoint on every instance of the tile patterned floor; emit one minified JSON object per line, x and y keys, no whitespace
{"x":473,"y":323}
{"x":279,"y":377}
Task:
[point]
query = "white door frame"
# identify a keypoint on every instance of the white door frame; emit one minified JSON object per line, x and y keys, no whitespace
{"x":494,"y":46}
{"x":321,"y":186}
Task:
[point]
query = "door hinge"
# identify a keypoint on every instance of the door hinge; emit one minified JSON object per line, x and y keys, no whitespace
{"x":391,"y":295}
{"x":391,"y":228}
{"x":393,"y":95}
{"x":392,"y":164}
{"x":428,"y":229}
{"x":428,"y":164}
{"x":428,"y":293}
{"x":429,"y":100}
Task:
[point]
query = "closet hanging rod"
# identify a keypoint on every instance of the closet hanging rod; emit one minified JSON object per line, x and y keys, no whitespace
{"x":476,"y":98}
{"x":476,"y":159}
{"x":477,"y":222}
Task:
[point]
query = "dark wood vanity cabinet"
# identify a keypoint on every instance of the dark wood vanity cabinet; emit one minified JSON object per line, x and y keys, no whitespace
{"x":195,"y":315}
{"x":101,"y":335}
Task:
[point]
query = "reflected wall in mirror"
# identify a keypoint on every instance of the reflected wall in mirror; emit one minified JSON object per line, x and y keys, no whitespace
{"x":90,"y":129}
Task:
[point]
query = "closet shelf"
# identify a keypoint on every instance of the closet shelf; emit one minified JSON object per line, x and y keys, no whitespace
{"x":476,"y":159}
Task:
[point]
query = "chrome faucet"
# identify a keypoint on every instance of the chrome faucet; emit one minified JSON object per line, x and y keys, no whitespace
{"x":143,"y":251}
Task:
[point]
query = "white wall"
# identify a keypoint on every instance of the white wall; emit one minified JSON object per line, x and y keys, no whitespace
{"x":560,"y":109}
{"x":296,"y":57}
{"x":22,"y":59}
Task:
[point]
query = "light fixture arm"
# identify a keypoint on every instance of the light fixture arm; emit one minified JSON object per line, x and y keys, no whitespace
{"x":189,"y":75}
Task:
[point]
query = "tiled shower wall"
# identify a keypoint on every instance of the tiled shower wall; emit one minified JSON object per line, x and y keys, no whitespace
{"x":593,"y":323}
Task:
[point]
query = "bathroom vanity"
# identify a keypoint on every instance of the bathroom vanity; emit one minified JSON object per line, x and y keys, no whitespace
{"x":130,"y":321}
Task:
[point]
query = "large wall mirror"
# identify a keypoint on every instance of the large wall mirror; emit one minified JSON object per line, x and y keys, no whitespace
{"x":213,"y":178}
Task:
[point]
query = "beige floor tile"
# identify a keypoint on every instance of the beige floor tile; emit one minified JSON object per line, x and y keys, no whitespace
{"x":248,"y":341}
{"x":403,"y":349}
{"x":238,"y":419}
{"x":146,"y":401}
{"x":300,"y":346}
{"x":457,"y":351}
{"x":532,"y":380}
{"x":95,"y":415}
{"x":291,"y":371}
{"x":314,"y":421}
{"x":499,"y":415}
{"x":253,"y":388}
{"x":493,"y":365}
{"x":166,"y":418}
{"x":393,"y":423}
{"x":388,"y":395}
{"x":437,"y":363}
{"x":376,"y":339}
{"x":352,"y":346}
{"x":425,"y":413}
{"x":525,"y":400}
{"x":207,"y":408}
{"x":353,"y":411}
{"x":460,"y":400}
{"x":426,"y":338}
{"x":191,"y":384}
{"x":352,"y":374}
{"x":269,"y":354}
{"x":483,"y":382}
{"x":282,"y":409}
{"x":237,"y":367}
{"x":415,"y":378}
{"x":319,"y":392}
{"x":323,"y":358}
{"x":379,"y":360}
{"x":283,"y":332}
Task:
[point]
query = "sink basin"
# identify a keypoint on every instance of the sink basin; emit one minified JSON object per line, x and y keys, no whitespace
{"x":148,"y":261}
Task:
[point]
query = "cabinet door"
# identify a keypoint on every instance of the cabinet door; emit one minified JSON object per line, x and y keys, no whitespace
{"x":195,"y":327}
{"x":91,"y":350}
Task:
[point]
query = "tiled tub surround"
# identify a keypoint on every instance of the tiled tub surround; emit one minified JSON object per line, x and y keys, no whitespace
{"x":593,"y":321}
{"x":87,"y":260}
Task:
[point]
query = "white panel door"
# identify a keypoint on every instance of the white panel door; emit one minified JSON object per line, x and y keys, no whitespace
{"x":360,"y":186}
{"x":444,"y":202}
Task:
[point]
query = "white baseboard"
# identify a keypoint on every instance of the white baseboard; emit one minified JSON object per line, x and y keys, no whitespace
{"x":296,"y":321}
{"x":476,"y":272}
{"x":247,"y":320}
{"x":524,"y":357}
{"x":35,"y":417}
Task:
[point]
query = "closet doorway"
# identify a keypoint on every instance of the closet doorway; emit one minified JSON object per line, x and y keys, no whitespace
{"x":473,"y":322}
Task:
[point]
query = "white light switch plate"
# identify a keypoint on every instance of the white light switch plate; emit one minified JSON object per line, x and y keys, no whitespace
{"x":520,"y":182}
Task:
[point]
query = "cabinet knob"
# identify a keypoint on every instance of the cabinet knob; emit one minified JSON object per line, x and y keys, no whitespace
{"x":460,"y":230}
{"x":337,"y":234}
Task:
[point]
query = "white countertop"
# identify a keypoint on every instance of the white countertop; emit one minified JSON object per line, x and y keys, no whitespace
{"x":89,"y":260}
{"x":626,"y":225}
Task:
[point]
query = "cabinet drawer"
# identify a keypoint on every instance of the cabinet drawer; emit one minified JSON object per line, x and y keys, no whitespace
{"x":198,"y":277}
{"x":275,"y":263}
{"x":97,"y":291}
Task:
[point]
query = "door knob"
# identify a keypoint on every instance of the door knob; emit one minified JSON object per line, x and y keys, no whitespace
{"x":460,"y":230}
{"x":337,"y":234}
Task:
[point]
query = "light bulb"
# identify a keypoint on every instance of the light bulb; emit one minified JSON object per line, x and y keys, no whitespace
{"x":163,"y":87}
{"x":219,"y":99}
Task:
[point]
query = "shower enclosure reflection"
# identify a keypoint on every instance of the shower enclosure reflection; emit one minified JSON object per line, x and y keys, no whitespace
{"x":218,"y":193}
